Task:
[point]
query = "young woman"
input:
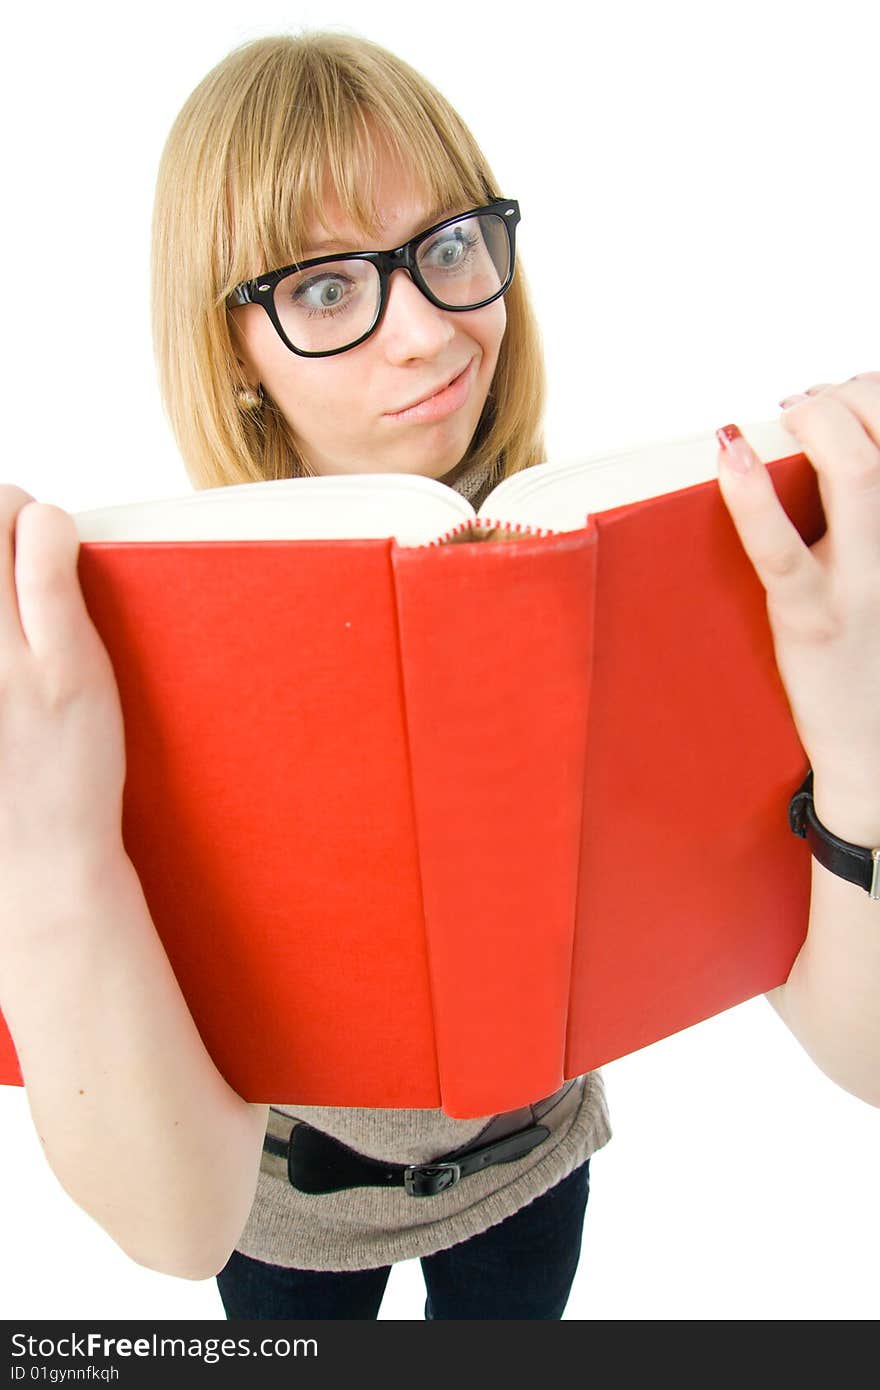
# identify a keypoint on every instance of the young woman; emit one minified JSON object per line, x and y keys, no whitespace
{"x":279,"y":354}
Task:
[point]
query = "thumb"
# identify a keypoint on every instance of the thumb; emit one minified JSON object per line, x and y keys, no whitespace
{"x":53,"y":612}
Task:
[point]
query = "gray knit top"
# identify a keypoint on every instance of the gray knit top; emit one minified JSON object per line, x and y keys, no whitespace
{"x":365,"y":1227}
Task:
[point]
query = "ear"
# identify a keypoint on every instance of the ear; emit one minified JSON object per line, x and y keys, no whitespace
{"x":242,"y":356}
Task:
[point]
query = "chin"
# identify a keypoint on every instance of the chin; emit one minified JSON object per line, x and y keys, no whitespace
{"x":456,"y":455}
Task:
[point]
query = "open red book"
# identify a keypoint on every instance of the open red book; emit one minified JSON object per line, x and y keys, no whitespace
{"x":426,"y":824}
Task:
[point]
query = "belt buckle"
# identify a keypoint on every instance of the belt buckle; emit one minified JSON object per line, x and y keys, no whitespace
{"x":427,"y":1179}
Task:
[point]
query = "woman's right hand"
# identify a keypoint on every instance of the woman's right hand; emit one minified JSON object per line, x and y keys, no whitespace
{"x":62,"y":741}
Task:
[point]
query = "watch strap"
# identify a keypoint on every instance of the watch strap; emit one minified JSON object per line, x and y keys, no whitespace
{"x":852,"y":862}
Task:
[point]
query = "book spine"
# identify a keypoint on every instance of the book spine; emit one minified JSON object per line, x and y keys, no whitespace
{"x":494,"y":645}
{"x":481,"y":527}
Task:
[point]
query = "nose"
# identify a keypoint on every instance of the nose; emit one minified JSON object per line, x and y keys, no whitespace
{"x":411,"y":323}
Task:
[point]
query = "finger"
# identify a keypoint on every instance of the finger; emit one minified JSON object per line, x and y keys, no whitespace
{"x":839,"y":431}
{"x":829,"y":385}
{"x":862,"y":395}
{"x":791,"y":576}
{"x":50,"y":601}
{"x":12,"y":499}
{"x":788,"y":401}
{"x":871,"y":378}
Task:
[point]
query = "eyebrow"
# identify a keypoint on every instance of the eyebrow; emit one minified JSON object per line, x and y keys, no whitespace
{"x":317,"y":248}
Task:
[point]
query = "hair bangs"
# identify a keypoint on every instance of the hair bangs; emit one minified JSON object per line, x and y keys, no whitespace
{"x":273,"y":202}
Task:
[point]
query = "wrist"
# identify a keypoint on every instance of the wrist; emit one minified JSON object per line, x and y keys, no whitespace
{"x":851,"y":813}
{"x":38,"y":899}
{"x":846,"y":856}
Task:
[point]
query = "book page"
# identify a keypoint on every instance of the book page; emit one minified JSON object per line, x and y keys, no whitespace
{"x":413,"y":509}
{"x":560,"y":496}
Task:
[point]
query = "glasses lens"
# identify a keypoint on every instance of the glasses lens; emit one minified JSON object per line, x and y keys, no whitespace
{"x":328,"y":306}
{"x":467,"y":262}
{"x":333,"y":305}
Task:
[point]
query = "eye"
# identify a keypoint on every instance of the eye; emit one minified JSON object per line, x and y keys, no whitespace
{"x":330,"y":290}
{"x":453,"y":249}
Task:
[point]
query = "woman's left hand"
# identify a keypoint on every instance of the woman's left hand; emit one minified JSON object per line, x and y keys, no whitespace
{"x":823,"y":601}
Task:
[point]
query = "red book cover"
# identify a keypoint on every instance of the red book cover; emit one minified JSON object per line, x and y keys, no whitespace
{"x":445,"y":825}
{"x":693,"y":891}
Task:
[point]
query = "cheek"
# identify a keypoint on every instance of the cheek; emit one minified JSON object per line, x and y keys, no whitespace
{"x":490,"y":336}
{"x":299,"y":386}
{"x":496,"y":327}
{"x":311,"y":394}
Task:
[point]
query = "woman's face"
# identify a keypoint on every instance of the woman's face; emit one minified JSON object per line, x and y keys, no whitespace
{"x":344,"y":410}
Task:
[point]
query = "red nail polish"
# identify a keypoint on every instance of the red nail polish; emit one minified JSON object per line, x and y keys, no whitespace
{"x":737,"y":453}
{"x":727,"y":434}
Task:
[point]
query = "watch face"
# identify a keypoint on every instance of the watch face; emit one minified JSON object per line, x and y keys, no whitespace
{"x":797,"y":807}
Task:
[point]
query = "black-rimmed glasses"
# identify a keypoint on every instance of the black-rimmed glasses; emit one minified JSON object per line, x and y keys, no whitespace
{"x":462,"y":263}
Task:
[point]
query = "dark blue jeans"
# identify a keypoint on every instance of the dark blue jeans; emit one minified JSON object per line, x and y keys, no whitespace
{"x":522,"y":1267}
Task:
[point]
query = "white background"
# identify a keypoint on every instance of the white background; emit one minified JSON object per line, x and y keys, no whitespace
{"x":699,"y":196}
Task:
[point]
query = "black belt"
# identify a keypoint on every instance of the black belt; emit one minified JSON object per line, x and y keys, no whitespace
{"x":318,"y":1163}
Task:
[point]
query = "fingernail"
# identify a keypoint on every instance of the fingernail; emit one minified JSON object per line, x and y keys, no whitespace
{"x":737,"y":454}
{"x":792,"y":400}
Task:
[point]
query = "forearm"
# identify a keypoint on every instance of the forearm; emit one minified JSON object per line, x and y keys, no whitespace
{"x":136,"y":1122}
{"x":831,"y":1000}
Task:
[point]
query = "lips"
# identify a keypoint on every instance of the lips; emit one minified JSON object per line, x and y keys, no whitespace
{"x":434,"y":391}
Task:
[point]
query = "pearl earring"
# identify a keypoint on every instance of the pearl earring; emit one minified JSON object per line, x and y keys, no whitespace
{"x":250,"y":400}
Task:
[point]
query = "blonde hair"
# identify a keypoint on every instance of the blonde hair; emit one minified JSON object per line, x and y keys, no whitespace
{"x":243,"y":172}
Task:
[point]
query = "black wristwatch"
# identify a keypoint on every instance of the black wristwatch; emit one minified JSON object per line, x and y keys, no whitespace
{"x":852,"y":862}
